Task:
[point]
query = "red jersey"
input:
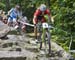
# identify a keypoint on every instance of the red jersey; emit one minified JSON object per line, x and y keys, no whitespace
{"x":38,"y":12}
{"x":39,"y":16}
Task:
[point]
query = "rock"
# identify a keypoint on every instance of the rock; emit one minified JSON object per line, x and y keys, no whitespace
{"x":16,"y":54}
{"x":33,"y":42}
{"x":4,"y":29}
{"x":19,"y":47}
{"x":7,"y":45}
{"x":60,"y":51}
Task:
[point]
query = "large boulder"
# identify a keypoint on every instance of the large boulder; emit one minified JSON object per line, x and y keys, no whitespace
{"x":4,"y":29}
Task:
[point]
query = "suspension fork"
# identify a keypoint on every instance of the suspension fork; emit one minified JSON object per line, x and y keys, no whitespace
{"x":42,"y":37}
{"x":43,"y":33}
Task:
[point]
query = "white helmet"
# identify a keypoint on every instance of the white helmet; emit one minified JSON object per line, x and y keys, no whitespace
{"x":42,"y":7}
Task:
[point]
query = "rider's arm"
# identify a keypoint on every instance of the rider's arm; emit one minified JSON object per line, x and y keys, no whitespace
{"x":34,"y":20}
{"x":37,"y":12}
{"x":49,"y":14}
{"x":10,"y":11}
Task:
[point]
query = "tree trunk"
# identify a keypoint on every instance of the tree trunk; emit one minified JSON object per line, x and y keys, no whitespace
{"x":7,"y":5}
{"x":49,"y":3}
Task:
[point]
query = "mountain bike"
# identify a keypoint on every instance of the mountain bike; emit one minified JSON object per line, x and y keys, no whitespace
{"x":44,"y":36}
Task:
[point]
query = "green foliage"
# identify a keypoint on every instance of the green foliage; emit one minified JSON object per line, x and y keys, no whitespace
{"x":64,"y":12}
{"x":2,"y":5}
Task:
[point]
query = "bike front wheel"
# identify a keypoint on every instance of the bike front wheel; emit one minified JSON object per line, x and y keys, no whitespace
{"x":47,"y":42}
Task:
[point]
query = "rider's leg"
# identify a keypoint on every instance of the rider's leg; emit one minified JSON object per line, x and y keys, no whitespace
{"x":35,"y":32}
{"x":9,"y":22}
{"x":23,"y":28}
{"x":14,"y":22}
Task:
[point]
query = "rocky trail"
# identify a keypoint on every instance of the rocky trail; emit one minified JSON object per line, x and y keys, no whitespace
{"x":21,"y":47}
{"x":18,"y":47}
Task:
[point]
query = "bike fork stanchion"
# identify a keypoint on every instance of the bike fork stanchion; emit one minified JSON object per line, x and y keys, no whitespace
{"x":44,"y":39}
{"x":45,"y":43}
{"x":40,"y":40}
{"x":49,"y":41}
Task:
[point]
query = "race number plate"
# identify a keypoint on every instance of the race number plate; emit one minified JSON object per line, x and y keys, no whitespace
{"x":45,"y":25}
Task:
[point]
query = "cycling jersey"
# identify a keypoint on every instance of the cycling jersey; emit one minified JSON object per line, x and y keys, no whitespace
{"x":13,"y":13}
{"x":39,"y":15}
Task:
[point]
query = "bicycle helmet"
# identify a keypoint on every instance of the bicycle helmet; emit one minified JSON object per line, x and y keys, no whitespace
{"x":42,"y":7}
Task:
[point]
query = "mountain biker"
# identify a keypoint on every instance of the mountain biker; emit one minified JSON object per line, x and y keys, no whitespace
{"x":39,"y":16}
{"x":13,"y":14}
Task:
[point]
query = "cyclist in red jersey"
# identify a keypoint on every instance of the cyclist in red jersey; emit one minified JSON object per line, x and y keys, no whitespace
{"x":39,"y":16}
